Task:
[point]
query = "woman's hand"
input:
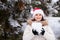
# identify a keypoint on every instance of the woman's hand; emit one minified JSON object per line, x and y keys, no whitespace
{"x":44,"y":23}
{"x":34,"y":32}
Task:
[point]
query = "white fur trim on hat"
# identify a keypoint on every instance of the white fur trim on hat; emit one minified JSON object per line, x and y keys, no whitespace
{"x":39,"y":11}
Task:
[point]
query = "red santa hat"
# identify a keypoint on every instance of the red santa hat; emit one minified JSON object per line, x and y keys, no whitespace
{"x":37,"y":11}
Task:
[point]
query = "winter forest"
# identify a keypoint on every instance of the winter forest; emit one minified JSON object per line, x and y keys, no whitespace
{"x":14,"y":15}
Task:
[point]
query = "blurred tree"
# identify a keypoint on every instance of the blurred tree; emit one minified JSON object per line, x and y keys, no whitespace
{"x":20,"y":12}
{"x":4,"y":1}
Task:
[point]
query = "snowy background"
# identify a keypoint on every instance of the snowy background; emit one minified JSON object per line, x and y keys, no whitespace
{"x":14,"y":15}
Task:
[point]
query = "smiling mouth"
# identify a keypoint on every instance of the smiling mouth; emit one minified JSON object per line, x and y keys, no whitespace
{"x":38,"y":18}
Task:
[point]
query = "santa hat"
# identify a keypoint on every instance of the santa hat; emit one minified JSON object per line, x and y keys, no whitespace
{"x":37,"y":11}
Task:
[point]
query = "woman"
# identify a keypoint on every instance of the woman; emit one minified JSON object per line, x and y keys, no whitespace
{"x":46,"y":32}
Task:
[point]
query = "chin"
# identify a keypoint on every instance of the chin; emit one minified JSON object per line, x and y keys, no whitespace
{"x":38,"y":20}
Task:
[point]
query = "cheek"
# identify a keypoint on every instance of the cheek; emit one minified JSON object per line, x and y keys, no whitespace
{"x":40,"y":17}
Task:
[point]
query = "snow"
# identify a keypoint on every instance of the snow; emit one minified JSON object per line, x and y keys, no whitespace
{"x":0,"y":25}
{"x":55,"y":25}
{"x":37,"y":26}
{"x":23,"y":26}
{"x":14,"y":23}
{"x":27,"y":1}
{"x":54,"y":1}
{"x":52,"y":7}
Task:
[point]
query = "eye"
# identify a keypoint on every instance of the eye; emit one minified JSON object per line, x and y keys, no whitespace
{"x":36,"y":15}
{"x":39,"y":14}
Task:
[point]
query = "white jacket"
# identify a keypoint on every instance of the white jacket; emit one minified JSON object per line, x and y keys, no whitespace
{"x":28,"y":35}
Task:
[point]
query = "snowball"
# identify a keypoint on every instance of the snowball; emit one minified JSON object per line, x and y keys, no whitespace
{"x":37,"y":26}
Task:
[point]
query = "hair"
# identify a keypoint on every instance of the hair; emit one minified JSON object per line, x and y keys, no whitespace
{"x":40,"y":20}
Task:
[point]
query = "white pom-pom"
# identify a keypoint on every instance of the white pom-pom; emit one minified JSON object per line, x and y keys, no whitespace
{"x":55,"y":11}
{"x":31,"y":11}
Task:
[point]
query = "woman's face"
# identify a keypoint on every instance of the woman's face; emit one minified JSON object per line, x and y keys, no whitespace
{"x":38,"y":17}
